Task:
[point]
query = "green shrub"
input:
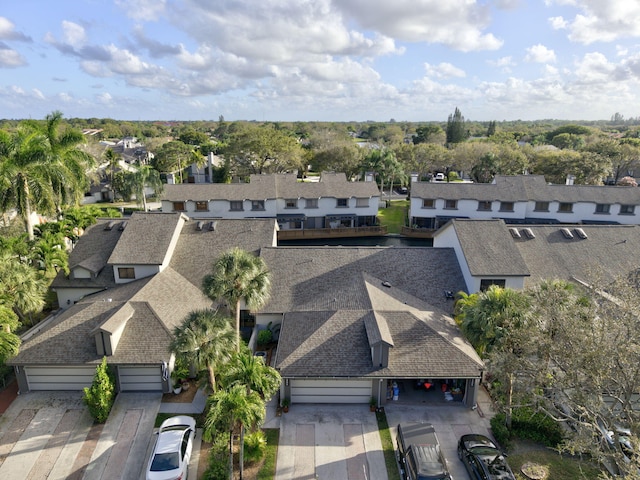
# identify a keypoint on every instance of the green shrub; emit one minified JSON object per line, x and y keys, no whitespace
{"x":100,"y":397}
{"x":500,"y":431}
{"x":265,"y":336}
{"x":536,"y":426}
{"x":218,"y":461}
{"x":255,"y":446}
{"x":529,"y":424}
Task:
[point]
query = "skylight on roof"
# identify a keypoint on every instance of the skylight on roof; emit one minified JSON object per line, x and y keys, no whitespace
{"x":515,"y":233}
{"x":566,"y":233}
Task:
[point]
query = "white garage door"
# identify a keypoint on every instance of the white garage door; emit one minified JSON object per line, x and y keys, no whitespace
{"x":59,"y":378}
{"x":330,"y":391}
{"x":140,"y":379}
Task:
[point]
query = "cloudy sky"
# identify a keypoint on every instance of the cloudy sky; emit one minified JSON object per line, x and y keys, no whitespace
{"x":327,"y":60}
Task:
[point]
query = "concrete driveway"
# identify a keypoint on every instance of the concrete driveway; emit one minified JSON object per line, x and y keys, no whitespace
{"x":342,"y":441}
{"x":51,"y":435}
{"x":330,"y":442}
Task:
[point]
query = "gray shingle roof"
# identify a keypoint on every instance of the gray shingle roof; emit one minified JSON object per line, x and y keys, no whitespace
{"x":267,"y":187}
{"x":146,"y":239}
{"x":488,"y":248}
{"x":608,"y":251}
{"x":196,"y":251}
{"x":95,"y":247}
{"x":377,"y":329}
{"x":525,"y":188}
{"x":335,"y":344}
{"x":331,"y":278}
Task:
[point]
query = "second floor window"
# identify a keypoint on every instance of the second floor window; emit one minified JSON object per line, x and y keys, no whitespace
{"x":506,"y":206}
{"x":257,"y":204}
{"x":362,"y":202}
{"x":291,"y":203}
{"x":178,"y":207}
{"x":311,"y":203}
{"x":565,"y":207}
{"x":484,"y":206}
{"x":202,"y":206}
{"x":235,"y":205}
{"x":451,"y":204}
{"x":342,"y":202}
{"x":627,"y":209}
{"x":541,"y":207}
{"x":428,"y":203}
{"x":602,"y":208}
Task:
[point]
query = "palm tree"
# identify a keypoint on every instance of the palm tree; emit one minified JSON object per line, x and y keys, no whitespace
{"x":20,"y":286}
{"x":113,"y":158}
{"x":251,"y":372}
{"x":40,"y":169}
{"x":50,"y":254}
{"x":205,"y":339}
{"x":9,"y":341}
{"x":230,"y":410}
{"x":238,"y":275}
{"x":144,"y":176}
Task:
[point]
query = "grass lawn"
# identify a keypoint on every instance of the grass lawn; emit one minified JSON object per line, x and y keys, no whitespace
{"x":558,"y":466}
{"x":268,"y":469}
{"x":387,"y":447}
{"x":394,"y":217}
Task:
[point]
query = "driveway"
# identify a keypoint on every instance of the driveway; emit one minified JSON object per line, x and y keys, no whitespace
{"x":51,"y":435}
{"x":342,"y":441}
{"x":330,"y":442}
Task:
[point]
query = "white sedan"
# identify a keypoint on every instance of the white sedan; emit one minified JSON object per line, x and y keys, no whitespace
{"x":170,"y":458}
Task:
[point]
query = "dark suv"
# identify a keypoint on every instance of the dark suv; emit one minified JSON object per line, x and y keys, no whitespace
{"x":419,"y":453}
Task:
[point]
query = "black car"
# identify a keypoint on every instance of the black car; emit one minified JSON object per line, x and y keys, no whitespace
{"x":419,"y":453}
{"x":483,"y":459}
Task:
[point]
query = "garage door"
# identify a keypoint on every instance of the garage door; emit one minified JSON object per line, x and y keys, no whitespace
{"x":59,"y":378}
{"x":330,"y":391}
{"x":140,"y":379}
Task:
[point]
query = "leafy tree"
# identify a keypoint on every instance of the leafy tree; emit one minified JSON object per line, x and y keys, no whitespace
{"x":491,"y":129}
{"x":232,"y":410}
{"x":99,"y":398}
{"x":238,"y":276}
{"x":206,"y":340}
{"x":173,"y":157}
{"x":570,"y":129}
{"x":40,"y":169}
{"x":345,"y":157}
{"x":50,"y":254}
{"x":567,"y":141}
{"x":456,"y":129}
{"x":190,"y":136}
{"x":263,"y":149}
{"x":430,"y":133}
{"x":588,"y":168}
{"x":485,"y":169}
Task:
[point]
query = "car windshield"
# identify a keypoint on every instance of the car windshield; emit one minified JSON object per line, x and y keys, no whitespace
{"x":165,"y":461}
{"x":495,"y":462}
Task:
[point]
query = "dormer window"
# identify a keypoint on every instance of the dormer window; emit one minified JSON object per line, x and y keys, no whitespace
{"x":127,"y":272}
{"x":565,"y":207}
{"x":311,"y":203}
{"x":484,"y":206}
{"x":506,"y":206}
{"x":257,"y":204}
{"x":291,"y":203}
{"x":202,"y":206}
{"x":603,"y":207}
{"x":627,"y":209}
{"x":342,"y":202}
{"x":236,"y":206}
{"x":178,"y":207}
{"x":428,"y":203}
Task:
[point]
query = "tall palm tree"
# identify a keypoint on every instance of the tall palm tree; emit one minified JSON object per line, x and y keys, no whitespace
{"x":238,"y":276}
{"x":144,"y":176}
{"x":230,"y":410}
{"x":250,"y":371}
{"x":41,"y":169}
{"x":113,"y":158}
{"x":204,"y":339}
{"x":50,"y":254}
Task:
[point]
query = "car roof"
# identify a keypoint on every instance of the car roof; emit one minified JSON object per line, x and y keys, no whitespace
{"x":169,"y":441}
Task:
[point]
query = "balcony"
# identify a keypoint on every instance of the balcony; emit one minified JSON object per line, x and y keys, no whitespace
{"x":339,"y":232}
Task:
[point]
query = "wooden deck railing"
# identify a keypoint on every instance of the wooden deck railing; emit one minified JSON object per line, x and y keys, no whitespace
{"x":332,"y":233}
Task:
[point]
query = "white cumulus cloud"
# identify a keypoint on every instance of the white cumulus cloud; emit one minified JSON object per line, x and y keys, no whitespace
{"x":540,"y":54}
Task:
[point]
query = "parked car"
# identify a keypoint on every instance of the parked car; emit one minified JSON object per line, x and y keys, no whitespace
{"x":439,"y":177}
{"x":171,"y":454}
{"x":483,"y":459}
{"x":419,"y":453}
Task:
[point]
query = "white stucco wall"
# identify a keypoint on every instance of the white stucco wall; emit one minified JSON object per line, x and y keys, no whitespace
{"x":68,"y":296}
